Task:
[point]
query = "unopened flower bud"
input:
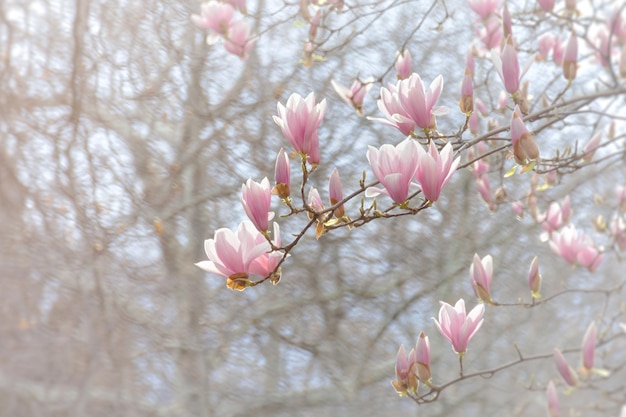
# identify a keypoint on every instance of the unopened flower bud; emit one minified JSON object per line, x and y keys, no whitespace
{"x":589,"y":346}
{"x":422,"y":358}
{"x":566,"y":371}
{"x":570,"y":58}
{"x":534,"y":278}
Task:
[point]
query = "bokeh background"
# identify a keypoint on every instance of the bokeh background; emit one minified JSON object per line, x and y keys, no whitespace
{"x":124,"y":141}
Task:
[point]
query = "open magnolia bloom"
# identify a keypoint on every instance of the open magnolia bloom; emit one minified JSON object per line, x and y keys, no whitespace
{"x":457,"y":326}
{"x":236,"y":255}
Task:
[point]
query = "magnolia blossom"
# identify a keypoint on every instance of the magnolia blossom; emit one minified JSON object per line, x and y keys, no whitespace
{"x":390,"y":106}
{"x":557,"y":51}
{"x":422,"y":357}
{"x":545,"y":43}
{"x":214,"y":16}
{"x":591,"y":146}
{"x":232,"y":254}
{"x":299,"y":121}
{"x":354,"y":95}
{"x":481,"y":272}
{"x":394,"y":167}
{"x":534,"y":278}
{"x":282,"y":174}
{"x":524,"y":147}
{"x":237,"y":40}
{"x":484,"y":8}
{"x":491,"y":34}
{"x":406,"y":378}
{"x":267,"y":263}
{"x":508,"y":69}
{"x":570,"y":58}
{"x":554,"y":409}
{"x":457,"y":326}
{"x":408,"y":105}
{"x":336,"y":193}
{"x":314,"y":200}
{"x":576,"y":248}
{"x":403,"y":64}
{"x":418,"y":103}
{"x":256,"y":199}
{"x":589,"y":346}
{"x":567,"y":372}
{"x":557,"y":215}
{"x":435,"y":169}
{"x":467,"y":93}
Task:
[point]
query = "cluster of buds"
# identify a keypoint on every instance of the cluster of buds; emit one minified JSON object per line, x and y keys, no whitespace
{"x":412,"y":369}
{"x":217,"y":18}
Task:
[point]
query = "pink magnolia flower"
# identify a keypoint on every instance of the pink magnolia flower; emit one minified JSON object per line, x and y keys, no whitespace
{"x":467,"y":93}
{"x":589,"y":346}
{"x":418,"y":103}
{"x":237,"y":40}
{"x":570,"y":58}
{"x":435,"y":169}
{"x":394,"y":167}
{"x":481,"y":272}
{"x":457,"y":326}
{"x":591,"y":146}
{"x":390,"y":106}
{"x":557,"y":215}
{"x":267,"y":262}
{"x":491,"y":34}
{"x":484,"y":8}
{"x":576,"y":248}
{"x":299,"y":121}
{"x":404,"y":64}
{"x":336,"y":193}
{"x":524,"y":147}
{"x":567,"y":373}
{"x":545,"y":45}
{"x":484,"y":189}
{"x":518,"y":208}
{"x":256,"y":199}
{"x":214,"y":16}
{"x":314,"y":200}
{"x":508,"y":69}
{"x":554,"y":409}
{"x":406,"y":378}
{"x":282,"y":174}
{"x":232,"y":254}
{"x":354,"y":95}
{"x":407,"y":104}
{"x":422,"y":357}
{"x":534,"y":278}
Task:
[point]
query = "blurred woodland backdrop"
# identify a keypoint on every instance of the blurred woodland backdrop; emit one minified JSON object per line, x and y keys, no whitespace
{"x":124,"y":141}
